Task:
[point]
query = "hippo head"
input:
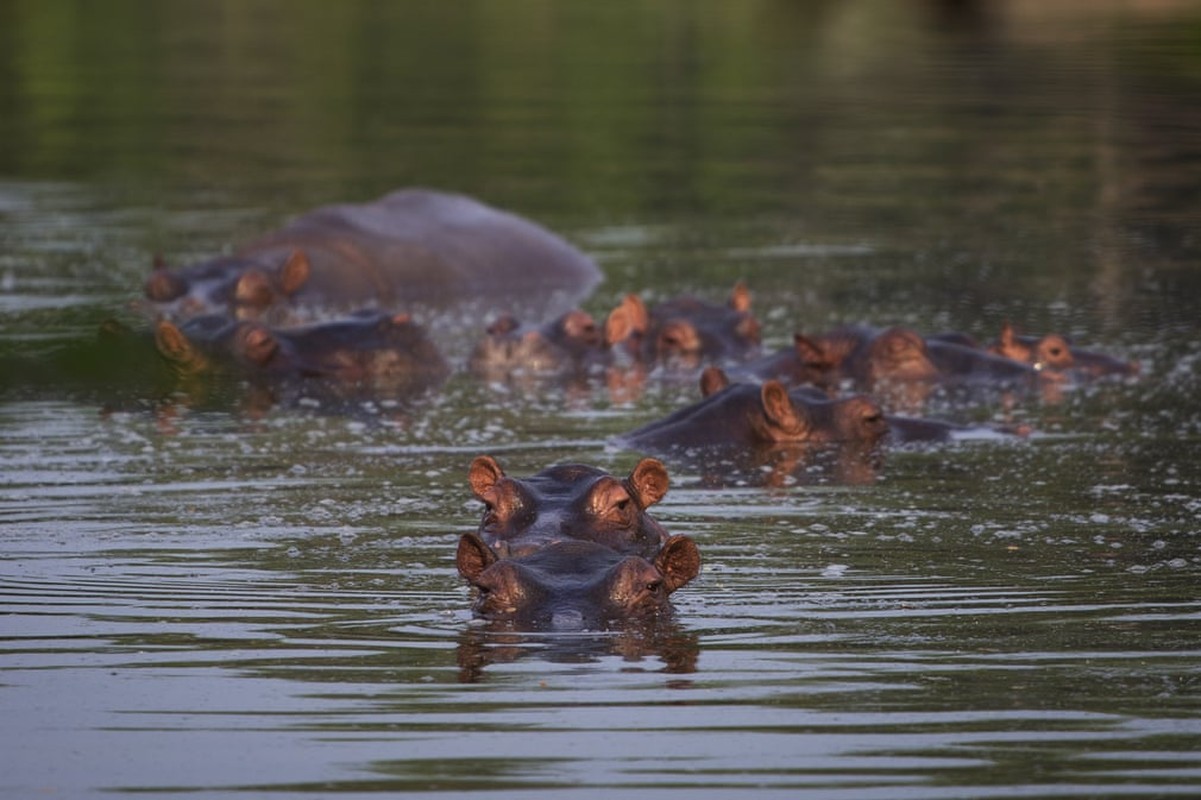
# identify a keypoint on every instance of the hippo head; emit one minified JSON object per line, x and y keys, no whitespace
{"x":569,"y":502}
{"x":1051,"y":352}
{"x":564,"y":342}
{"x":685,"y":330}
{"x":897,"y":355}
{"x":1055,"y":357}
{"x":257,"y":288}
{"x":191,"y":348}
{"x":801,"y":415}
{"x":688,"y":330}
{"x":574,"y":584}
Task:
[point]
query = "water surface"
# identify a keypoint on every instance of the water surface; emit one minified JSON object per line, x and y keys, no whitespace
{"x":204,"y":596}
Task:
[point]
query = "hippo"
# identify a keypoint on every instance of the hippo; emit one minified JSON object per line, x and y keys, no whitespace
{"x":1055,"y":357}
{"x":568,"y":344}
{"x":575,"y":584}
{"x":413,"y":247}
{"x":569,"y":502}
{"x":685,"y":331}
{"x":740,"y":415}
{"x":776,"y":430}
{"x":367,"y":349}
{"x":897,"y":364}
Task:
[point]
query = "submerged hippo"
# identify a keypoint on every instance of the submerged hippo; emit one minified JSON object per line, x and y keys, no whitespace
{"x":752,"y":433}
{"x":570,"y":343}
{"x":569,"y":502}
{"x":575,"y":584}
{"x":685,"y":331}
{"x":411,"y":247}
{"x":742,"y":415}
{"x":890,"y":360}
{"x":369,"y":348}
{"x":1053,"y":355}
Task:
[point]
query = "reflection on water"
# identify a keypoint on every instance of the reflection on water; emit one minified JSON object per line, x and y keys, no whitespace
{"x":209,"y":594}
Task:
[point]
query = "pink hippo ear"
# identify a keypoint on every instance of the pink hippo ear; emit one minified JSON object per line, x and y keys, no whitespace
{"x":781,"y":414}
{"x":255,"y":343}
{"x":679,"y":561}
{"x":163,"y":285}
{"x":713,"y":380}
{"x":648,"y":482}
{"x":740,"y":298}
{"x":810,"y":352}
{"x":473,"y":557}
{"x":172,"y":343}
{"x":295,"y":272}
{"x":483,"y":476}
{"x":629,"y":320}
{"x":254,"y":290}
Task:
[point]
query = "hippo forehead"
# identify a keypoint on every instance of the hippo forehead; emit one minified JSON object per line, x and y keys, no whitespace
{"x":564,"y":481}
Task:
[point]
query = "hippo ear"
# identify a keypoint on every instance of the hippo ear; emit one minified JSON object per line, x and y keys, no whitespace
{"x":778,"y":407}
{"x":679,"y":561}
{"x":163,"y":285}
{"x":1008,"y":335}
{"x":627,"y":320}
{"x":172,"y":343}
{"x":295,"y":272}
{"x":713,"y":380}
{"x":473,"y":556}
{"x":483,"y":475}
{"x":810,"y":351}
{"x":740,"y":298}
{"x":254,"y":289}
{"x":648,"y":482}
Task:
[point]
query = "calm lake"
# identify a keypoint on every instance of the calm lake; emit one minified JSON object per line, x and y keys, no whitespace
{"x":203,"y":597}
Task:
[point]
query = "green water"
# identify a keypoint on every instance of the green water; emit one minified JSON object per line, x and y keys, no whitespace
{"x":199,"y":596}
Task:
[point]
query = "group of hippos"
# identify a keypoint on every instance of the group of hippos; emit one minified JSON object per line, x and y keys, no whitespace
{"x":328,"y":300}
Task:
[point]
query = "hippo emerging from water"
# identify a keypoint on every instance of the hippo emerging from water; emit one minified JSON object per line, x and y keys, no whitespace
{"x":411,"y":247}
{"x":685,"y":331}
{"x":745,"y":415}
{"x":1053,"y":355}
{"x":572,"y":547}
{"x":575,"y":584}
{"x":368,"y":349}
{"x":569,"y":502}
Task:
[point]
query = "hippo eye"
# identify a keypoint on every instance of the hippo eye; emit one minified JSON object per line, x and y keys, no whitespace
{"x":654,"y":586}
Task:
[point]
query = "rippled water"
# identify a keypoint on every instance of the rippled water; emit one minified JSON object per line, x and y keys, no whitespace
{"x":203,"y":596}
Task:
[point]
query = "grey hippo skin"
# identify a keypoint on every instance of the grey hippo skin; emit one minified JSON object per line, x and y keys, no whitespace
{"x":411,"y":248}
